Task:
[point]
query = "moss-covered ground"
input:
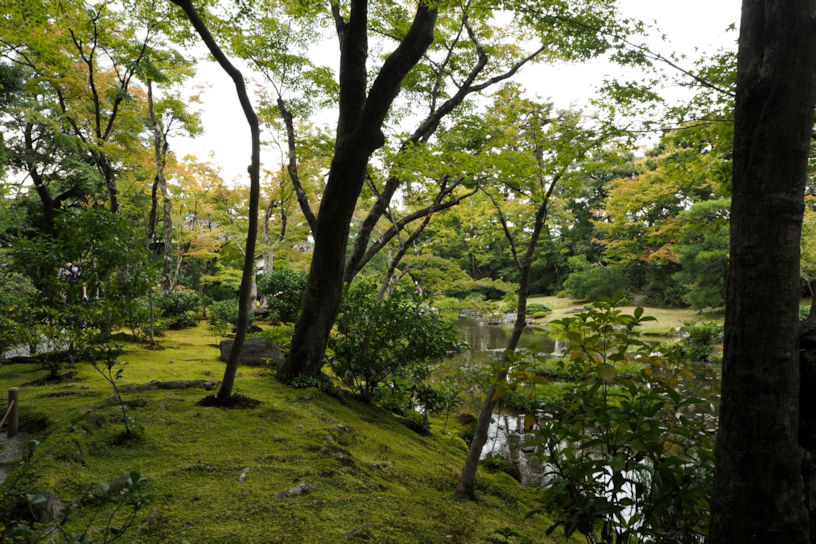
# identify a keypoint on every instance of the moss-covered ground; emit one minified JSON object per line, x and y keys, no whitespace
{"x":215,"y":475}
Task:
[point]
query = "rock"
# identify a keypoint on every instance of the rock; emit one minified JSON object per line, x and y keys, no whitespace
{"x":528,"y":449}
{"x":47,"y":510}
{"x":256,"y":352}
{"x":299,"y":489}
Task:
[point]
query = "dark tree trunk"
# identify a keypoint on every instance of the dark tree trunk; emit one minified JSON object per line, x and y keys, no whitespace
{"x":358,"y":135}
{"x":248,"y":275}
{"x":758,"y":492}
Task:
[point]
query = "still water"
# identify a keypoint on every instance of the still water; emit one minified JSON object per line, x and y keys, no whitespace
{"x":506,"y":437}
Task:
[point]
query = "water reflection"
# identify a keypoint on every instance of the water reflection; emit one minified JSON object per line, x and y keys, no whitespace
{"x":483,"y":337}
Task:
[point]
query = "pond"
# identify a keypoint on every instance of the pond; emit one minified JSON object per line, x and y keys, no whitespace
{"x":506,"y":436}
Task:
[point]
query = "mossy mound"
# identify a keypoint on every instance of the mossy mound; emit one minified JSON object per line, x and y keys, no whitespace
{"x":303,"y":466}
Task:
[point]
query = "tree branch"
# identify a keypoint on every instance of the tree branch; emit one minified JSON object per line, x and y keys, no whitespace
{"x":292,"y":168}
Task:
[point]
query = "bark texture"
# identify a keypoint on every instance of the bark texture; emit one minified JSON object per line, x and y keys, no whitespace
{"x":358,"y":135}
{"x":758,"y":491}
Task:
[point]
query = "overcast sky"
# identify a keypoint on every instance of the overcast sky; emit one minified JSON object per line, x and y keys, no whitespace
{"x":687,"y":25}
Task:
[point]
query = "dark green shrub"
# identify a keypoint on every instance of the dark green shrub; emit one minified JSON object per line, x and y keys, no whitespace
{"x":595,"y":282}
{"x":699,"y":345}
{"x":223,"y":316}
{"x":379,"y":341}
{"x":538,"y":308}
{"x":180,"y":309}
{"x":283,"y":289}
{"x":219,"y":292}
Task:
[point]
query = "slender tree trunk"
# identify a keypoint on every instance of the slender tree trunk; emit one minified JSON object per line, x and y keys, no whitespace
{"x":159,"y":155}
{"x":758,"y":492}
{"x":151,"y":218}
{"x":247,"y":277}
{"x":467,"y":481}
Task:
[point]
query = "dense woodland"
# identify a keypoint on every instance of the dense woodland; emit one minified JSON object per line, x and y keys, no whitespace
{"x":443,"y":185}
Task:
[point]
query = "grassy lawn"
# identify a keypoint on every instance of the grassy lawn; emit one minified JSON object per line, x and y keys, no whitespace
{"x":668,"y":320}
{"x":215,"y":475}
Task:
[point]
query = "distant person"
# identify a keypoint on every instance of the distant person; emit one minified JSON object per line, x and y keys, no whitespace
{"x":75,"y":281}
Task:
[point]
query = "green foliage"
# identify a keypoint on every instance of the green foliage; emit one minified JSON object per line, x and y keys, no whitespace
{"x":223,"y":316}
{"x":699,"y":344}
{"x":17,"y":309}
{"x":510,"y":302}
{"x":105,"y":360}
{"x":538,"y":308}
{"x":596,"y":282}
{"x":180,"y":309}
{"x":804,"y":312}
{"x":283,"y":289}
{"x":385,"y":340}
{"x":631,"y":458}
{"x":702,"y":252}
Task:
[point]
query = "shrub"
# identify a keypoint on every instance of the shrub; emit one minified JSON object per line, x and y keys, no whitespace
{"x":699,"y":345}
{"x":225,"y":313}
{"x":219,"y":292}
{"x":283,"y":289}
{"x":180,"y":309}
{"x":595,"y":282}
{"x":804,"y":312}
{"x":630,"y":457}
{"x":510,"y":302}
{"x":384,"y":340}
{"x":538,"y":308}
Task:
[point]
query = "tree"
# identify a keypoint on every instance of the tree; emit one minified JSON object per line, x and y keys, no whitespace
{"x":248,"y":275}
{"x":537,"y":150}
{"x":359,"y":133}
{"x":467,"y":50}
{"x":758,"y":493}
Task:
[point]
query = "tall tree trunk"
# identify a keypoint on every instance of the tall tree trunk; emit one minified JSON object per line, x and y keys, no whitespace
{"x":159,"y":156}
{"x":758,"y":492}
{"x":248,"y":274}
{"x":467,"y":481}
{"x":359,"y":133}
{"x":150,"y":230}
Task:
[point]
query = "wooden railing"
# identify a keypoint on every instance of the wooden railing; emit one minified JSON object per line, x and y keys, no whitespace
{"x":12,"y":418}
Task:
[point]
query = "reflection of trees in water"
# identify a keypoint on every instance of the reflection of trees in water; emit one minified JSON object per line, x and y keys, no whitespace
{"x":483,"y":337}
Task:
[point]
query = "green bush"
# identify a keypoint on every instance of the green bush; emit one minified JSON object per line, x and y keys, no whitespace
{"x":378,"y":341}
{"x":538,"y":308}
{"x":219,"y":292}
{"x":699,"y":345}
{"x":540,"y":315}
{"x":804,"y":312}
{"x":223,"y":316}
{"x":283,"y":289}
{"x":596,"y":282}
{"x":224,"y":312}
{"x":609,"y":437}
{"x":178,"y":304}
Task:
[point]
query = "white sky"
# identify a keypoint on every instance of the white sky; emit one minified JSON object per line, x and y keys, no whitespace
{"x":688,"y":25}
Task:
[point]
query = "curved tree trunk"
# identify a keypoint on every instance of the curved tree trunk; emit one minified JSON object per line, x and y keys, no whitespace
{"x":247,"y":277}
{"x":758,"y":492}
